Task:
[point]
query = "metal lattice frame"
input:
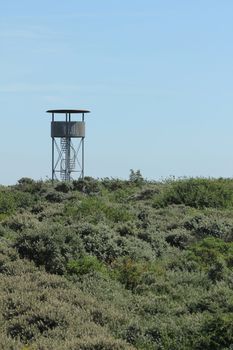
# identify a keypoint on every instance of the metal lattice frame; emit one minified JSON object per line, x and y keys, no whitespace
{"x":67,"y":160}
{"x":67,"y":156}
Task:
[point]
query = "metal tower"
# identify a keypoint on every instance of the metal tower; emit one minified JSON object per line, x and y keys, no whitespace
{"x":68,"y":154}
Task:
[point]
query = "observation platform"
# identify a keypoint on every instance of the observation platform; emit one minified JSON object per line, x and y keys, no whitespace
{"x":68,"y":111}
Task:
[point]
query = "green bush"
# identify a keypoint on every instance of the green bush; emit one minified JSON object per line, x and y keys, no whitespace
{"x":7,"y":255}
{"x":12,"y":200}
{"x":197,"y":193}
{"x":26,"y":184}
{"x":88,"y":185}
{"x":97,"y":208}
{"x":216,"y":333}
{"x":129,"y":272}
{"x":21,"y":222}
{"x":204,"y":226}
{"x":103,"y":343}
{"x":50,"y":246}
{"x":144,"y":266}
{"x":136,"y":177}
{"x":4,"y":231}
{"x":126,"y":229}
{"x":136,"y":248}
{"x":179,"y":238}
{"x":100,"y":241}
{"x":211,"y":251}
{"x":63,"y":187}
{"x":84,"y":265}
{"x":217,"y":271}
{"x":113,"y":185}
{"x":156,"y":240}
{"x":54,"y":197}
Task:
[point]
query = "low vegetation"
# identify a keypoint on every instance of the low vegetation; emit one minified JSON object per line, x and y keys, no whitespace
{"x":115,"y":265}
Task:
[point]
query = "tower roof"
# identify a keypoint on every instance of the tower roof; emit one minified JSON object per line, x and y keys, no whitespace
{"x":68,"y":111}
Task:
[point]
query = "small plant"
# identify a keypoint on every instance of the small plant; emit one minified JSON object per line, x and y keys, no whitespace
{"x":136,"y":177}
{"x":129,"y":272}
{"x":84,"y":265}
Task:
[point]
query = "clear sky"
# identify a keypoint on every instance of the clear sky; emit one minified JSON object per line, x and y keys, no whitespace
{"x":157,"y":76}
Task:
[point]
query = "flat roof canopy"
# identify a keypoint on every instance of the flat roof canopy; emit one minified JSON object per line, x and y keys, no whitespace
{"x":68,"y":111}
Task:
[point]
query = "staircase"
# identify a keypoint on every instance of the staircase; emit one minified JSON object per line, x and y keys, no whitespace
{"x":67,"y":159}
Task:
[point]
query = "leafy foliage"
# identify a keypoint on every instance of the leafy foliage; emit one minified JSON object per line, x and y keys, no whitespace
{"x":210,"y":250}
{"x":12,"y":200}
{"x":51,"y":246}
{"x":114,"y":264}
{"x":197,"y":193}
{"x":84,"y":265}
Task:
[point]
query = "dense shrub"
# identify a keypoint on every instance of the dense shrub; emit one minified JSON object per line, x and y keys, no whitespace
{"x":216,"y":333}
{"x":12,"y":200}
{"x":146,"y":193}
{"x":197,"y":193}
{"x":4,"y":231}
{"x":144,"y":219}
{"x":216,"y":272}
{"x":88,"y":185}
{"x":211,"y":251}
{"x":144,"y":265}
{"x":114,"y":184}
{"x":126,"y":229}
{"x":129,"y":272}
{"x":20,"y":222}
{"x":51,"y":246}
{"x":7,"y":255}
{"x":64,"y":187}
{"x":46,"y":312}
{"x":179,"y":238}
{"x":97,"y":209}
{"x":54,"y":197}
{"x":203,"y":226}
{"x":156,"y":240}
{"x":84,"y":265}
{"x":137,"y":249}
{"x":100,"y":241}
{"x":103,"y":343}
{"x":26,"y":184}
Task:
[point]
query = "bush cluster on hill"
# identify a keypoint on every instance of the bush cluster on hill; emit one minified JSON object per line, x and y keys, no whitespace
{"x":113,"y":264}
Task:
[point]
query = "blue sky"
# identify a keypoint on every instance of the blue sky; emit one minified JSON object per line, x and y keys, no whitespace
{"x":157,"y":76}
